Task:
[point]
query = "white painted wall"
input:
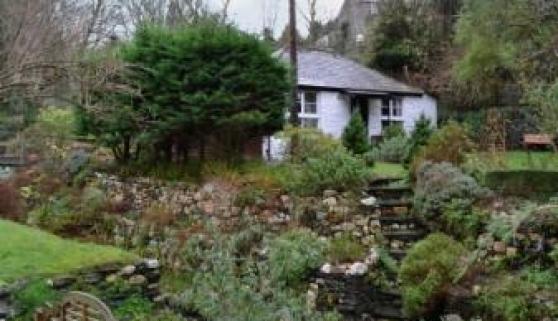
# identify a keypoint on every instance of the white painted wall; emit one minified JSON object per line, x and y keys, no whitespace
{"x":374,"y":117}
{"x":414,"y":107}
{"x":334,"y":112}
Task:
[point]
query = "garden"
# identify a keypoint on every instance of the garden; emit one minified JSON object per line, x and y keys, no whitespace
{"x":147,"y":194}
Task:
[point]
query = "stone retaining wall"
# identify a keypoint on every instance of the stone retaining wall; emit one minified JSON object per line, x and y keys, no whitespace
{"x":142,"y":278}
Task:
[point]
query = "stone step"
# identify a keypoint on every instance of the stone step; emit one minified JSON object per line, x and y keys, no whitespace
{"x":390,"y":312}
{"x":397,"y":219}
{"x":395,"y":203}
{"x":398,"y":255}
{"x":384,"y":181}
{"x":407,"y":235}
{"x":390,"y":192}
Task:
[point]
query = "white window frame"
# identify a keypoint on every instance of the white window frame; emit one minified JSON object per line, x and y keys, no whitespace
{"x":395,"y":110}
{"x":306,"y":118}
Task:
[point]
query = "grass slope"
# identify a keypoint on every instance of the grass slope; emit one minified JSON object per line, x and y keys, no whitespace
{"x":27,"y":252}
{"x":383,"y":169}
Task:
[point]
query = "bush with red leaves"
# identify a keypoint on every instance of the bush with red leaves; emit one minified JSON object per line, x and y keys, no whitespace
{"x":10,"y":202}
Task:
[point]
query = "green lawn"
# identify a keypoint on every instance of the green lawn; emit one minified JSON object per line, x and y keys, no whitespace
{"x":533,"y":160}
{"x":518,"y":160}
{"x":27,"y":252}
{"x":389,"y":170}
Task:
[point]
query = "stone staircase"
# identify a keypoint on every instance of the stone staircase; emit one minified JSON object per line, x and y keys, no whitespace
{"x":399,"y":228}
{"x":389,"y":207}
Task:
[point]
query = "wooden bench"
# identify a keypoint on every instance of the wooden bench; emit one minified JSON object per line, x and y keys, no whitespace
{"x":538,"y":140}
{"x":76,"y":306}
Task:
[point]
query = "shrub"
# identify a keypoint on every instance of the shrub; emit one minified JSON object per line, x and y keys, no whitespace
{"x":228,"y":284}
{"x":438,"y":184}
{"x":393,"y":150}
{"x":134,"y":308}
{"x":310,"y":143}
{"x":159,"y":215}
{"x":504,"y":227}
{"x":427,"y":273}
{"x":554,"y":255}
{"x":517,"y":298}
{"x":319,"y":162}
{"x":462,"y":220}
{"x":449,"y":144}
{"x":10,"y":202}
{"x":345,"y":249}
{"x":249,"y":196}
{"x":526,"y":183}
{"x":35,"y":294}
{"x":419,"y":137}
{"x":393,"y":131}
{"x":355,"y":137}
{"x":338,"y":170}
{"x":294,"y":255}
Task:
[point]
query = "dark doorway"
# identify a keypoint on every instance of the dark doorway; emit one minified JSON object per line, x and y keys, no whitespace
{"x":359,"y":104}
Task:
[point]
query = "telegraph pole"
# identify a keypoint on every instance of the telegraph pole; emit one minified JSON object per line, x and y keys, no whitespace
{"x":294,"y":63}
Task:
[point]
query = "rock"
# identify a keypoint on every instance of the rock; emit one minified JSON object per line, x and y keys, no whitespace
{"x":152,"y":264}
{"x":111,"y":278}
{"x":477,"y":289}
{"x":137,"y":280}
{"x":370,"y":201}
{"x":62,"y":282}
{"x":128,"y":270}
{"x":330,"y":193}
{"x":93,"y":278}
{"x":330,"y":201}
{"x":511,"y":251}
{"x":4,"y":310}
{"x":321,"y":216}
{"x":349,"y":227}
{"x":499,"y":247}
{"x":373,"y":257}
{"x":485,"y":241}
{"x":358,"y":268}
{"x":326,"y":268}
{"x":4,"y":292}
{"x":452,"y":317}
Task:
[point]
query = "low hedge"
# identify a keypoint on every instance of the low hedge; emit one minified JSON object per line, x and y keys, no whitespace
{"x":527,"y":183}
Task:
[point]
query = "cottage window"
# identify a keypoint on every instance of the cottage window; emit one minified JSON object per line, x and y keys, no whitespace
{"x":397,"y":108}
{"x":392,"y":107}
{"x":310,"y":103}
{"x":385,"y":107}
{"x":308,"y":113}
{"x":392,"y":112}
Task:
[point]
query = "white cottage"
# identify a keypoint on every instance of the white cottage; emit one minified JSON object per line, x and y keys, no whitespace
{"x":332,"y":87}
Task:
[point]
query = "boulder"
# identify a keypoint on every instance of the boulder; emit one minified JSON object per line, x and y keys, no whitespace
{"x":137,"y":280}
{"x":330,"y":201}
{"x":358,"y":268}
{"x":370,"y":201}
{"x":499,"y":247}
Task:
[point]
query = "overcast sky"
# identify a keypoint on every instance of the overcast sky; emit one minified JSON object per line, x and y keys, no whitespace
{"x":252,"y":15}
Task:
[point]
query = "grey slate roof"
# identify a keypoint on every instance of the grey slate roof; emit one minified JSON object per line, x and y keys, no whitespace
{"x":333,"y":71}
